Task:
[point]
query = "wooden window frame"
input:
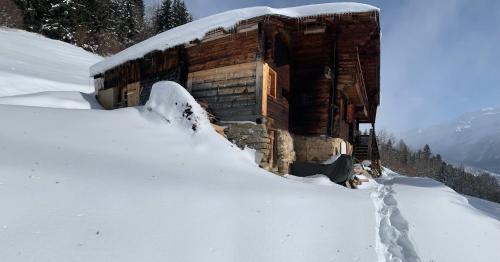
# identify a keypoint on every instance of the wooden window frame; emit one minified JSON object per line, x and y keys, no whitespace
{"x":272,"y":83}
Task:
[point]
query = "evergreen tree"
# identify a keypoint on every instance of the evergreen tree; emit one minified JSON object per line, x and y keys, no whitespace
{"x":180,"y":13}
{"x":164,"y":17}
{"x":426,"y":151}
{"x":404,"y":152}
{"x":103,"y":26}
{"x":171,"y":14}
{"x":423,"y":163}
{"x":60,"y":20}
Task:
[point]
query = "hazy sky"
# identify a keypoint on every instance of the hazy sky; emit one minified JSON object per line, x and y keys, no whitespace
{"x":439,"y":58}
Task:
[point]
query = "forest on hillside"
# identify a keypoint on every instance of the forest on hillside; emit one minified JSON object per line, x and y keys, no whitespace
{"x":398,"y":156}
{"x":100,"y":26}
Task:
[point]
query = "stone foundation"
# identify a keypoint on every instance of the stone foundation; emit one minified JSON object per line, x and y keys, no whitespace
{"x":317,"y":149}
{"x":253,"y":136}
{"x":260,"y":138}
{"x":277,"y":150}
{"x":285,"y":151}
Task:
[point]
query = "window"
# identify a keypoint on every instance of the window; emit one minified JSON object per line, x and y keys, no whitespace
{"x":269,"y":86}
{"x":271,"y":83}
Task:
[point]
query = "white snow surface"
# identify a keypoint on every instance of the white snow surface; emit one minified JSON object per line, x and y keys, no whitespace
{"x":318,"y":179}
{"x":31,"y":63}
{"x":168,"y":98}
{"x":424,"y":220}
{"x":54,"y":99}
{"x":128,"y":185}
{"x":139,"y":184}
{"x":197,"y":29}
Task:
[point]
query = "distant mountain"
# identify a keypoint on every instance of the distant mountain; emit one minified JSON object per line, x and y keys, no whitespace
{"x":479,"y":171}
{"x":472,"y":140}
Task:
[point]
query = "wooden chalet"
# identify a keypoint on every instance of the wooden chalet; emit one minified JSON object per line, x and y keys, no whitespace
{"x":314,"y":78}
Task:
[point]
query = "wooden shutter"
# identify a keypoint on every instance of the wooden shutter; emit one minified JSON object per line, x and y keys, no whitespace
{"x":133,"y":92}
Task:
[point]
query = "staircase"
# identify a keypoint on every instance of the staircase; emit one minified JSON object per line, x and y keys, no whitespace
{"x":361,"y":148}
{"x":366,"y":148}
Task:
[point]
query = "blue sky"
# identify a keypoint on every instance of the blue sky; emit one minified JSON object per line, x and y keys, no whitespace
{"x":439,"y":58}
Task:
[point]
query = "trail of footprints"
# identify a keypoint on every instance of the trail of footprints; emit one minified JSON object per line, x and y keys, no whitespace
{"x":393,"y":243}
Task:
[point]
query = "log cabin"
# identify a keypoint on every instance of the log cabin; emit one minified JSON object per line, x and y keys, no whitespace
{"x":295,"y":83}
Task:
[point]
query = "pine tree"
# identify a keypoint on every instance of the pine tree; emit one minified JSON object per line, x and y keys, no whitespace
{"x":426,"y":152}
{"x":103,"y":26}
{"x":164,"y":17}
{"x":60,"y":20}
{"x":180,"y":13}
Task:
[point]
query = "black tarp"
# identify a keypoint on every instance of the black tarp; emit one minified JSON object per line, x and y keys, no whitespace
{"x":339,"y":171}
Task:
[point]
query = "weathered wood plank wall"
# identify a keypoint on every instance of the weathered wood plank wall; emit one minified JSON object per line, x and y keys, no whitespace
{"x":277,"y":57}
{"x":311,"y":87}
{"x":222,"y":74}
{"x":229,"y":91}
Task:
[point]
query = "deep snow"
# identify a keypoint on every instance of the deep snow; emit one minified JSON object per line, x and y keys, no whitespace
{"x":128,"y":185}
{"x":134,"y":185}
{"x":54,"y":99}
{"x":31,"y":63}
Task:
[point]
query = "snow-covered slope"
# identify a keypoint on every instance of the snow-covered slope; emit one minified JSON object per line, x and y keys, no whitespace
{"x":473,"y":139}
{"x":55,"y":99}
{"x":31,"y":63}
{"x":198,"y":28}
{"x":140,"y":184}
{"x":431,"y":222}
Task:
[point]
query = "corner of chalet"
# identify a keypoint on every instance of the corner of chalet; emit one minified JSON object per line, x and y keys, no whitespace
{"x":294,"y":87}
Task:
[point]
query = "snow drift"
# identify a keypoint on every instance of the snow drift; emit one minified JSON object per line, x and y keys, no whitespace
{"x":174,"y":103}
{"x":127,"y":185}
{"x":54,"y":99}
{"x":31,"y":63}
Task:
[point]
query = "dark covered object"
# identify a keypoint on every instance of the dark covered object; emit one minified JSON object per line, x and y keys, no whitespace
{"x":339,"y":171}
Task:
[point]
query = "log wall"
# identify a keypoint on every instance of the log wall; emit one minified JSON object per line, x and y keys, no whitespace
{"x":311,"y":87}
{"x":229,"y":91}
{"x":222,"y":74}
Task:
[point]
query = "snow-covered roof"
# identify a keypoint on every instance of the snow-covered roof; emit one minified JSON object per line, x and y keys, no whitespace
{"x":197,"y":29}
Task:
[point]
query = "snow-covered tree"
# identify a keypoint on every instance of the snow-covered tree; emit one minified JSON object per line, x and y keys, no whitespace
{"x":103,"y":26}
{"x":60,"y":20}
{"x":423,"y":163}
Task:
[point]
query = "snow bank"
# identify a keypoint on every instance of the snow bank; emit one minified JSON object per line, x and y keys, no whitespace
{"x":423,"y":220}
{"x":31,"y":63}
{"x":197,"y":29}
{"x":174,"y":103}
{"x":318,"y":179}
{"x":121,"y":185}
{"x":54,"y":99}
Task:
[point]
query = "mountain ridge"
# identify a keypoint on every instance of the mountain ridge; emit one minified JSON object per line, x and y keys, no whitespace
{"x":473,"y":139}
